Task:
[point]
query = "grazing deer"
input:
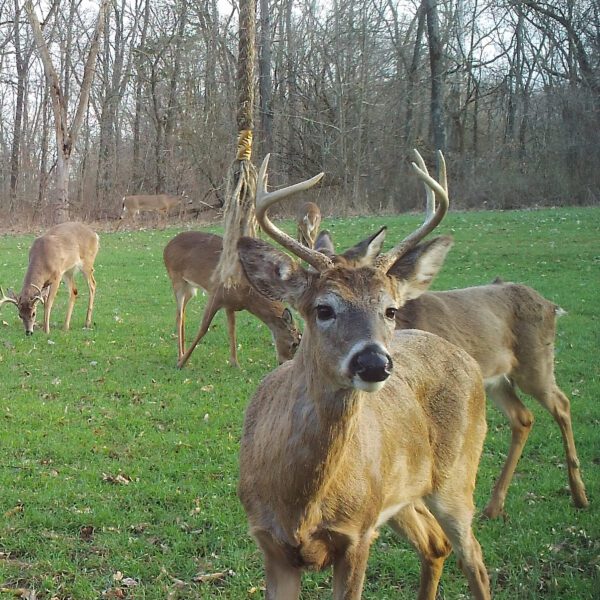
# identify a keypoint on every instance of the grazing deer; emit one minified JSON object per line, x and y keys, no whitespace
{"x":158,"y":203}
{"x":364,"y":425}
{"x":58,"y":254}
{"x":508,"y":328}
{"x":191,"y":258}
{"x":309,"y":221}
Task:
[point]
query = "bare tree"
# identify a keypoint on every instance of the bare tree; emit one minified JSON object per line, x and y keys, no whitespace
{"x":438,"y":127}
{"x":66,"y":137}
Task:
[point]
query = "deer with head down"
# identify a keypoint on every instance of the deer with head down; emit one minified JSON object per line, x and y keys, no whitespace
{"x":508,"y":328}
{"x":365,"y":425}
{"x":191,"y":258}
{"x":58,"y":254}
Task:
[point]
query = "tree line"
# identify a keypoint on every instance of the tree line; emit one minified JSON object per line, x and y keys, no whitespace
{"x":102,"y":99}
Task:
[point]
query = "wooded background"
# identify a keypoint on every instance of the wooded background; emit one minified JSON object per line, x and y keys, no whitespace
{"x":509,"y":90}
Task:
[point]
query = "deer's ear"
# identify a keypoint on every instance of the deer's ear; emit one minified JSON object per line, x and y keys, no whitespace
{"x":365,"y":252}
{"x":271,"y":272}
{"x":287,"y":317}
{"x":324,"y":243}
{"x":418,"y":267}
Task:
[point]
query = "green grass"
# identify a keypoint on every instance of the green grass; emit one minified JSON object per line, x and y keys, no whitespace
{"x":116,"y":468}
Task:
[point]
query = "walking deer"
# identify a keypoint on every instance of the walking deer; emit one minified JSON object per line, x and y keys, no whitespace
{"x":363,"y":426}
{"x":308,"y":223}
{"x":58,"y":254}
{"x":191,"y":258}
{"x":508,"y":328}
{"x":158,"y":203}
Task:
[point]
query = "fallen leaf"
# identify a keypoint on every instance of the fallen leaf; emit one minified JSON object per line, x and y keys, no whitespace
{"x":19,"y":508}
{"x":119,"y":479}
{"x":207,"y":577}
{"x":86,"y":533}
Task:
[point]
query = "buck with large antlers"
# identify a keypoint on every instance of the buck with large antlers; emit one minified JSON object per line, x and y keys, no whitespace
{"x":58,"y":254}
{"x":509,"y":329}
{"x":191,"y":258}
{"x":308,"y":222}
{"x":364,"y":425}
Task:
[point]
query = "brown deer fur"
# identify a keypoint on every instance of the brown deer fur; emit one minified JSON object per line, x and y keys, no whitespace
{"x":191,"y":258}
{"x":510,"y":330}
{"x":58,"y":254}
{"x":364,"y":425}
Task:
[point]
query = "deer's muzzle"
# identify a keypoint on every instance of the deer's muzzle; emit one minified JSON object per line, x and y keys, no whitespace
{"x":372,"y":364}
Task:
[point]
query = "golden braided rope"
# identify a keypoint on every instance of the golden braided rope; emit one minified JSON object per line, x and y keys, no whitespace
{"x":244,"y":145}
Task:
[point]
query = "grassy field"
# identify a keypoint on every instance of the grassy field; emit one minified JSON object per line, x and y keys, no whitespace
{"x":118,"y":472}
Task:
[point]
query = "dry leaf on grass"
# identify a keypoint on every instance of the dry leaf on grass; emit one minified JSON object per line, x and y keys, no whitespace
{"x":19,"y":508}
{"x":208,"y":577}
{"x":119,"y":479}
{"x":23,"y":593}
{"x":86,"y":533}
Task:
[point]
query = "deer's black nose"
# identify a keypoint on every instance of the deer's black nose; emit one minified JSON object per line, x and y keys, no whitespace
{"x":27,"y":332}
{"x":372,"y":364}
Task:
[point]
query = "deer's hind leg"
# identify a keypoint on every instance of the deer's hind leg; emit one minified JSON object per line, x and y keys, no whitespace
{"x":454,"y":512}
{"x":555,"y":401}
{"x":502,"y":392}
{"x":91,"y":281}
{"x":421,"y":529}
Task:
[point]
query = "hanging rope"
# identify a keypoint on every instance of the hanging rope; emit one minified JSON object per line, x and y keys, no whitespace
{"x":239,"y":212}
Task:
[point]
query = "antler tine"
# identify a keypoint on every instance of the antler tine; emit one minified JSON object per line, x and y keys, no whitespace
{"x":264,"y":200}
{"x":430,"y":203}
{"x":440,"y":191}
{"x":4,"y":298}
{"x":39,"y":297}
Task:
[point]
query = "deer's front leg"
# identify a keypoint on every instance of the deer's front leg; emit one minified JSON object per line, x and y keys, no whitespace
{"x":349,"y":570}
{"x":282,"y":579}
{"x":48,"y":304}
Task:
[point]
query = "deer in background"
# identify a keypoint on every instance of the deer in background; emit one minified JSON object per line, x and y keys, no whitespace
{"x":58,"y":254}
{"x":509,"y":329}
{"x":191,"y":258}
{"x":158,"y":203}
{"x":363,"y":426}
{"x":308,"y":223}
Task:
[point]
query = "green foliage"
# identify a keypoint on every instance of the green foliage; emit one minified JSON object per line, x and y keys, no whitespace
{"x":118,"y":472}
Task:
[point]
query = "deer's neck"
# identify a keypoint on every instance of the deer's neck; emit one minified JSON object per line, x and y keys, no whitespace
{"x":35,"y":280}
{"x":324,"y":419}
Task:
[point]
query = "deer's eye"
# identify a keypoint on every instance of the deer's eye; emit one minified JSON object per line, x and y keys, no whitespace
{"x":390,"y":313}
{"x":325,"y":312}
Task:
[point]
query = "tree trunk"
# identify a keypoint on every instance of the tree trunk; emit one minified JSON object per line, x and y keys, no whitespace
{"x":265,"y":81}
{"x":438,"y":128}
{"x":413,"y":74}
{"x":138,"y":170}
{"x":65,"y":138}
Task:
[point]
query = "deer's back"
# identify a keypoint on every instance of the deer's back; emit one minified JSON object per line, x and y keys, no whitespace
{"x":64,"y":246}
{"x":502,"y":325}
{"x":193,"y":256}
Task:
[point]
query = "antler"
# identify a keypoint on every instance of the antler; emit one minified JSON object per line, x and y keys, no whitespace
{"x":4,"y":299}
{"x":39,"y":297}
{"x":430,"y":196}
{"x":264,"y":200}
{"x":434,"y":190}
